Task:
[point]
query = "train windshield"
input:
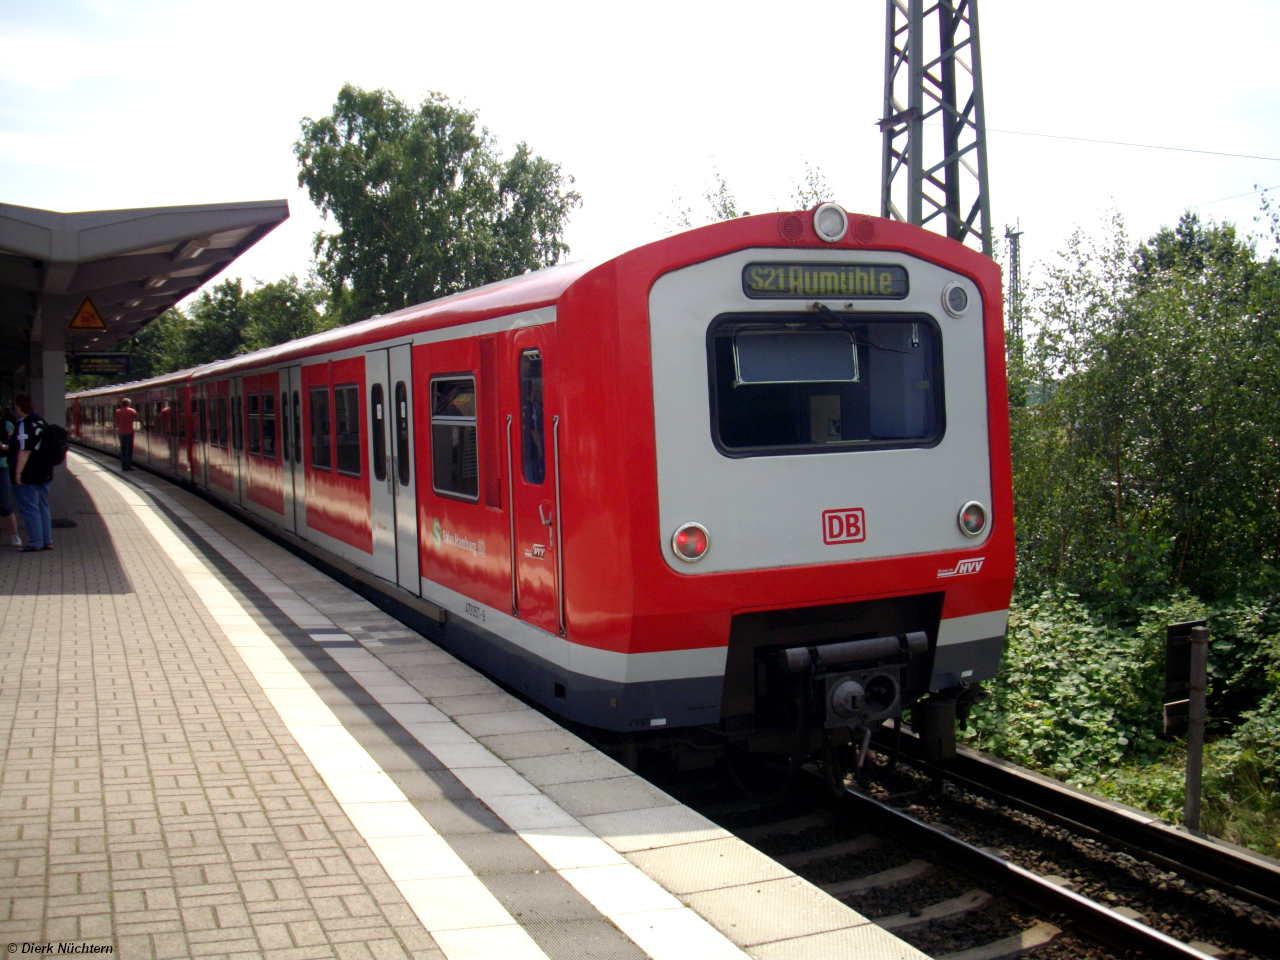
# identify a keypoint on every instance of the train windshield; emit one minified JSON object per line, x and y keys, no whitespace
{"x":797,"y":383}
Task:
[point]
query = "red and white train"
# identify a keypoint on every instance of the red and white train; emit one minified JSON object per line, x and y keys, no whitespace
{"x":671,"y":489}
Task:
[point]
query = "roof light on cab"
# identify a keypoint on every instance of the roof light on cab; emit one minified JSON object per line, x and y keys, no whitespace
{"x":830,"y":222}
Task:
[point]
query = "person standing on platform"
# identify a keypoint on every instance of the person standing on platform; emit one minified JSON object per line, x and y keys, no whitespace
{"x":126,"y":417}
{"x":8,"y":433}
{"x":32,"y":476}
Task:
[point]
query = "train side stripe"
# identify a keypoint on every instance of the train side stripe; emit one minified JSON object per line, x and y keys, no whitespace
{"x":978,"y":626}
{"x":576,"y":657}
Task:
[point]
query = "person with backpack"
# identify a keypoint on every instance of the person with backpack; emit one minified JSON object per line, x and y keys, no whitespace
{"x":40,"y":447}
{"x":8,"y":431}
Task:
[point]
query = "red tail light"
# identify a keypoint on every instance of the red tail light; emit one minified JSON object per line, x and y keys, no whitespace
{"x":691,"y":542}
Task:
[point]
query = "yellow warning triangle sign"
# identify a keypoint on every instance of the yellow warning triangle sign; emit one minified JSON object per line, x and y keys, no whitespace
{"x":87,"y":318}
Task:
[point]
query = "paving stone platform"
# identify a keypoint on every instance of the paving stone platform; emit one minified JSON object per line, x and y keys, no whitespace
{"x":212,"y":749}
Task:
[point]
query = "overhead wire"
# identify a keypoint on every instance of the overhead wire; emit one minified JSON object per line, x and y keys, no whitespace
{"x":1193,"y":206}
{"x":1152,"y":146}
{"x":1125,"y":143}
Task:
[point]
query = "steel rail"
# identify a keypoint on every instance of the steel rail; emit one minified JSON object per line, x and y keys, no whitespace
{"x":1090,"y":918}
{"x":1232,"y":870}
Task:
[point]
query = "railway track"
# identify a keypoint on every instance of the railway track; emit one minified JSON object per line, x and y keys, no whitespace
{"x":1235,"y":871}
{"x":965,"y":872}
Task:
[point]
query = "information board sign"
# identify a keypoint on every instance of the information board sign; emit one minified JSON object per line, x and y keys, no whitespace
{"x":100,"y":364}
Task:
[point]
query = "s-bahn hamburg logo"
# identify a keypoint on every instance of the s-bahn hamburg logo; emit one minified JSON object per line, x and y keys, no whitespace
{"x":963,"y":567}
{"x":847,"y":525}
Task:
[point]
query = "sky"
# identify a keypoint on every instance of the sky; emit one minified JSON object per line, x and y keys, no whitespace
{"x":123,"y":103}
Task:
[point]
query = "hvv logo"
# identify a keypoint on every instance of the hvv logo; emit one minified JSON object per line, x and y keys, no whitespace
{"x":972,"y":565}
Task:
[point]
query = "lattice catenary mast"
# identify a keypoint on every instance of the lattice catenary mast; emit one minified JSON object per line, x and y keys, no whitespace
{"x":1014,"y":305}
{"x":934,"y":162}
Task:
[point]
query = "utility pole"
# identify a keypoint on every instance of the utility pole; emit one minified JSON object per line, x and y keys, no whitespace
{"x":934,"y":160}
{"x":1015,"y":282}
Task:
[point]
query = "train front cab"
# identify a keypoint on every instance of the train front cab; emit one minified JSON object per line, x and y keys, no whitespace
{"x":827,"y":418}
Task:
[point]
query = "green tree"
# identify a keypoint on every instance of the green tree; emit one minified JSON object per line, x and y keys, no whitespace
{"x":154,"y":350}
{"x":223,"y":321}
{"x":1146,"y":457}
{"x":424,"y":204}
{"x":215,"y":327}
{"x":812,"y":189}
{"x":721,"y":202}
{"x":283,"y":311}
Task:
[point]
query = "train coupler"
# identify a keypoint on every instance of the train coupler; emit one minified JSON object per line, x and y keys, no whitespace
{"x":862,"y":682}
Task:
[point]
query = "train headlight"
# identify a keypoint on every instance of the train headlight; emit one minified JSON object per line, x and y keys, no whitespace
{"x":973,"y":519}
{"x":691,"y":542}
{"x":955,"y":299}
{"x":830,"y":222}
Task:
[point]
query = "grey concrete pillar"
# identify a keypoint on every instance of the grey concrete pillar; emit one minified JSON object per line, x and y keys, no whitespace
{"x":55,"y":411}
{"x":48,"y":366}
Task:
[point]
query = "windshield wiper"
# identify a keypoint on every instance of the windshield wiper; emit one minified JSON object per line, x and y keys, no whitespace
{"x":849,"y":328}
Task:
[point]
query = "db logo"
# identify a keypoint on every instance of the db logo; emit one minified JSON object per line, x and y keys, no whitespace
{"x":844,"y":526}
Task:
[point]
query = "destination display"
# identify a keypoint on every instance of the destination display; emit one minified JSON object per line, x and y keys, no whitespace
{"x":853,"y":281}
{"x":100,"y":364}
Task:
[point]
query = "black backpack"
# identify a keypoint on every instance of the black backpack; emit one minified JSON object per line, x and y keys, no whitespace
{"x":54,"y":445}
{"x":49,"y":453}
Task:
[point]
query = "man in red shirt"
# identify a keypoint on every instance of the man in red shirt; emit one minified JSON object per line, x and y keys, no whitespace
{"x":126,"y":417}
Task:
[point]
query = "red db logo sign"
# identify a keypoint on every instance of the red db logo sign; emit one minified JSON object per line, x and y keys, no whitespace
{"x":844,"y":526}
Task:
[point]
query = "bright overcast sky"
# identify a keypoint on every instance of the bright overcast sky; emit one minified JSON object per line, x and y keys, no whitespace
{"x":121,"y":103}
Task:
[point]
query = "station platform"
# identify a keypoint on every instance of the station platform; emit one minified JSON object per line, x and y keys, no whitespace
{"x":212,"y":749}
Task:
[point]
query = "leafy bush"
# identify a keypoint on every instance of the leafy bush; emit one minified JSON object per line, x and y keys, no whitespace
{"x":1075,"y":692}
{"x":1080,"y":695}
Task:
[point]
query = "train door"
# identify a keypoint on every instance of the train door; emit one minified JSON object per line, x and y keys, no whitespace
{"x":237,"y":439}
{"x":532,"y":427}
{"x":294,"y":479}
{"x":382,"y":483}
{"x":400,"y":383}
{"x":201,"y":438}
{"x":170,"y":421}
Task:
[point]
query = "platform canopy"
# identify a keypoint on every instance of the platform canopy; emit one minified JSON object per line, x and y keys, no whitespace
{"x":131,"y":264}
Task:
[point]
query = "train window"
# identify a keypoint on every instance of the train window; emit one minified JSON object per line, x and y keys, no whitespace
{"x":793,"y":382}
{"x":237,"y":422}
{"x":346,"y":417}
{"x":532,"y":435}
{"x":269,"y":425}
{"x":202,"y":414}
{"x":794,"y":356}
{"x":255,"y":425}
{"x":378,"y":434}
{"x":321,"y":440}
{"x":402,"y":433}
{"x":297,"y":428}
{"x":221,"y":422}
{"x":454,"y":463}
{"x":182,"y":419}
{"x":284,"y":425}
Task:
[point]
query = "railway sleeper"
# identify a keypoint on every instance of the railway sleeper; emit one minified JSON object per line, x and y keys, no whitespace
{"x":904,"y":873}
{"x":967,"y":902}
{"x":784,"y":827}
{"x":1039,"y":934}
{"x":794,"y":861}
